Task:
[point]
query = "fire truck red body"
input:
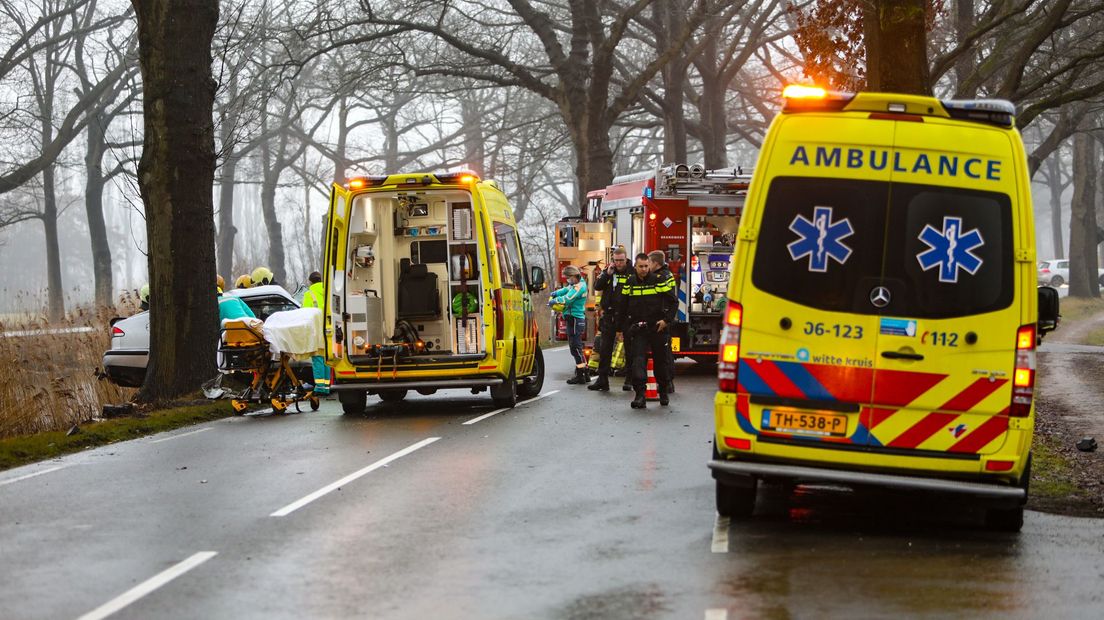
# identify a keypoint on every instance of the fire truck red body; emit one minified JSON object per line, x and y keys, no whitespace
{"x":693,"y":216}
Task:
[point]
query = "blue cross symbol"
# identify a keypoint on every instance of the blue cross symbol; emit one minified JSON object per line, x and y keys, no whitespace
{"x":820,"y":239}
{"x":951,"y":249}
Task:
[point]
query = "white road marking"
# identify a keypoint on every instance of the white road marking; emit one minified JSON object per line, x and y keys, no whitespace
{"x":720,"y":534}
{"x":37,"y":473}
{"x":198,"y":430}
{"x":148,"y":586}
{"x":520,"y":403}
{"x":296,"y":505}
{"x":716,"y":614}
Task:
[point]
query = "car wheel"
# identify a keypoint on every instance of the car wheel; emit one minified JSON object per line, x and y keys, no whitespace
{"x":533,"y":386}
{"x":353,"y":402}
{"x":1057,"y":281}
{"x":736,"y":499}
{"x":392,"y":396}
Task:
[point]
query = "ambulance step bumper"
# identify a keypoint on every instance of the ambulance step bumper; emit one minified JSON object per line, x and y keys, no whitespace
{"x":816,"y":474}
{"x":443,"y":384}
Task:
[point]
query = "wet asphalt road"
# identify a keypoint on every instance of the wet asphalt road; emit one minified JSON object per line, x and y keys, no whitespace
{"x":573,"y":506}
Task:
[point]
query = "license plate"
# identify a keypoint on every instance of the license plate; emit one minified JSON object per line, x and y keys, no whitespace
{"x":675,"y":343}
{"x":805,"y":423}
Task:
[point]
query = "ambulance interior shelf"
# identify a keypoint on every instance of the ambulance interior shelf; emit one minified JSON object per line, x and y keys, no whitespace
{"x":423,"y":264}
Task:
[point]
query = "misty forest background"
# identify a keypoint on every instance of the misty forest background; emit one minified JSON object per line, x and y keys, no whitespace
{"x":549,"y":98}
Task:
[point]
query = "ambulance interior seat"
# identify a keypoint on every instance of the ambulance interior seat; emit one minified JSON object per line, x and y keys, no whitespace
{"x":419,"y":297}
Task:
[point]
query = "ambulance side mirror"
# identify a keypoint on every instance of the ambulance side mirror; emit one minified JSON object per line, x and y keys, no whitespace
{"x":536,"y":279}
{"x":1048,"y":311}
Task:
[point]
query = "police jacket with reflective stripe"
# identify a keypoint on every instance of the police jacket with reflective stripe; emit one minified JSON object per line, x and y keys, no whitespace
{"x":647,"y":301}
{"x":610,"y":285}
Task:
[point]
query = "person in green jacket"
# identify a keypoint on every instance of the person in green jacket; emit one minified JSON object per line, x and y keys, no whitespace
{"x":315,"y":298}
{"x":573,"y":297}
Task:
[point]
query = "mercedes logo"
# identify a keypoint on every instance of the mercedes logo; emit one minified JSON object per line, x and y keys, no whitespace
{"x":879,"y":296}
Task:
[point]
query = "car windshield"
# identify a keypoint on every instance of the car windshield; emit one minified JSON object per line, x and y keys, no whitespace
{"x":268,"y":305}
{"x":941,"y":251}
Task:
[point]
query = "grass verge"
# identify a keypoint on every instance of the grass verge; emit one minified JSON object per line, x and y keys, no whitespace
{"x":16,"y":451}
{"x":1075,"y":310}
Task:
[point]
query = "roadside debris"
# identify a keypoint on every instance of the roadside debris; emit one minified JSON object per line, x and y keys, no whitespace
{"x":73,"y":431}
{"x":118,"y":411}
{"x":1087,"y":444}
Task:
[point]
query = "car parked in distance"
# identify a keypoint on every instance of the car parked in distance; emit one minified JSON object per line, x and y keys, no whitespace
{"x":1055,"y":272}
{"x":125,"y":362}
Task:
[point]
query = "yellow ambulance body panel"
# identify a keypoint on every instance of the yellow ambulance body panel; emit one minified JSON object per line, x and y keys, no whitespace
{"x":427,"y":289}
{"x":882,"y":318}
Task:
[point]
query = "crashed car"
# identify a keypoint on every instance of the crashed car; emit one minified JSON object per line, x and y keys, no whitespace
{"x":125,"y":362}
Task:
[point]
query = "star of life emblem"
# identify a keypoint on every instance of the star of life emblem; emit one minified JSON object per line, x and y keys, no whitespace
{"x":820,"y":239}
{"x":950,"y":250}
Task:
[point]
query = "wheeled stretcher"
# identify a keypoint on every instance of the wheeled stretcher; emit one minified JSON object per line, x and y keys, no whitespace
{"x":244,"y":348}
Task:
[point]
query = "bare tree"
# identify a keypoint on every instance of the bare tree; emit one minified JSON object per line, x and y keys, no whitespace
{"x":176,"y":174}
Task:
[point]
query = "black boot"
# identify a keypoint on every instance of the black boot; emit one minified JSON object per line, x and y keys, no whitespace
{"x":640,"y":402}
{"x":663,"y":400}
{"x":602,"y":384}
{"x":626,"y":386}
{"x":671,"y":387}
{"x":579,"y":378}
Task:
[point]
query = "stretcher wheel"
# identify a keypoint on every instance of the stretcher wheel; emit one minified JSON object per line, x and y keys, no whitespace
{"x":238,"y":405}
{"x":315,"y":403}
{"x":278,"y":405}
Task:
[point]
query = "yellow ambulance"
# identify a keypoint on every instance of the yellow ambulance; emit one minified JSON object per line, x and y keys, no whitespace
{"x":883,"y":311}
{"x":427,"y":289}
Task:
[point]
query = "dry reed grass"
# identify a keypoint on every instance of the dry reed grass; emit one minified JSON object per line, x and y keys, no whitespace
{"x":52,"y":381}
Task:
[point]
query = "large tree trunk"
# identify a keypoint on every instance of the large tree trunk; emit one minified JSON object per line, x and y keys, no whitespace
{"x":1083,"y":231}
{"x":175,"y":175}
{"x":270,"y":179}
{"x":475,"y":155}
{"x":226,"y":229}
{"x":896,"y":46}
{"x":671,"y":19}
{"x":93,"y":208}
{"x":340,"y":160}
{"x":1055,"y":173}
{"x":966,"y":63}
{"x":56,"y":296}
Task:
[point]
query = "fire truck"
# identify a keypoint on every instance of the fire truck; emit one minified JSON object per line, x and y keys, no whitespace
{"x":692,"y":215}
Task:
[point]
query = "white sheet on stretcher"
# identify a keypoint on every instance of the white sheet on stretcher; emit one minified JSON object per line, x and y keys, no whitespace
{"x":297,"y":332}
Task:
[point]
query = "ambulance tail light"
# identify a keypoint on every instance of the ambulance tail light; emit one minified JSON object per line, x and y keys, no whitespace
{"x":1023,"y":376}
{"x":500,"y":321}
{"x":728,"y":361}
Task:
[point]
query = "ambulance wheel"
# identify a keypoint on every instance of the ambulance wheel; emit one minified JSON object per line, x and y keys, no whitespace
{"x":1057,"y":281}
{"x":532,"y":387}
{"x":504,"y":396}
{"x":392,"y":396}
{"x":736,"y":500}
{"x":353,"y":402}
{"x":1010,"y":519}
{"x":315,"y":403}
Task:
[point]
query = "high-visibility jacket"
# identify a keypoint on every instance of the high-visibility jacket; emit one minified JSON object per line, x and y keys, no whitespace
{"x":314,"y":296}
{"x":647,"y":300}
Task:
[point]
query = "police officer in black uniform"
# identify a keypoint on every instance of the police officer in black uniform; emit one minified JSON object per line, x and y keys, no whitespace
{"x":609,"y":282}
{"x":646,"y":309}
{"x":663,"y":273}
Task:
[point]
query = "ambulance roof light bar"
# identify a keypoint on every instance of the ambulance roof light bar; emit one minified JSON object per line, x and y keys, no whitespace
{"x":803,"y":97}
{"x":995,"y":111}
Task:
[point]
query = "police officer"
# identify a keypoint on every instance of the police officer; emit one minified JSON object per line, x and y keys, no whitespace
{"x":609,"y":282}
{"x":647,"y":308}
{"x":667,"y":282}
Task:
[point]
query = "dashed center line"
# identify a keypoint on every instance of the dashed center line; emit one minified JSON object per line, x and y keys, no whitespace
{"x":296,"y":505}
{"x":716,"y":614}
{"x":720,"y":534}
{"x":26,"y":476}
{"x":148,"y":586}
{"x":498,"y":411}
{"x":198,"y":430}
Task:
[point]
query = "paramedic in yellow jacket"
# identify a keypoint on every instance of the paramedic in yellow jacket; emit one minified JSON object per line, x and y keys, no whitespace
{"x":313,"y":298}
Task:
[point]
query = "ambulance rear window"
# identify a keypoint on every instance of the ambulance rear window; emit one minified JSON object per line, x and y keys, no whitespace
{"x":940,"y":252}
